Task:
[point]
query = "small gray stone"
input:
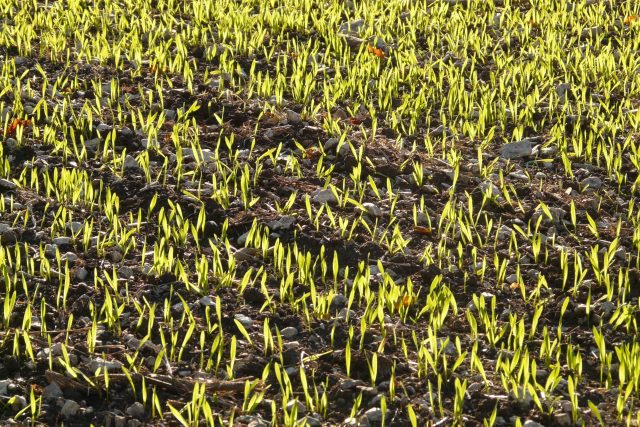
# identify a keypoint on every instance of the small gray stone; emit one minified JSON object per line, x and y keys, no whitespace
{"x":338,"y":302}
{"x":19,"y":402}
{"x":592,"y":182}
{"x":75,"y":227}
{"x":331,"y":143}
{"x":70,"y":257}
{"x":7,"y":234}
{"x":10,"y":144}
{"x":562,"y":419}
{"x":206,"y":301}
{"x":348,"y":384}
{"x":531,"y":423}
{"x":441,"y":130}
{"x":288,"y":332}
{"x":524,"y":398}
{"x":63,"y":240}
{"x":292,"y":116}
{"x":109,"y":365}
{"x":504,"y":233}
{"x":103,"y":127}
{"x":557,"y":215}
{"x":344,"y":313}
{"x":283,"y":223}
{"x":50,"y":249}
{"x":130,"y":163}
{"x":82,"y":274}
{"x":372,"y":209}
{"x":450,"y":349}
{"x":119,"y":421}
{"x":52,"y":392}
{"x":244,"y":320}
{"x":170,"y":114}
{"x":351,"y":27}
{"x":325,"y":196}
{"x":136,"y":410}
{"x":125,"y":272}
{"x":607,"y":308}
{"x":519,"y":176}
{"x":313,"y":421}
{"x":255,"y":421}
{"x":516,"y":150}
{"x":5,"y":184}
{"x":373,"y":415}
{"x":116,"y":256}
{"x":562,"y":89}
{"x":92,"y":145}
{"x":4,"y":386}
{"x":243,"y":239}
{"x":70,"y":408}
{"x":294,"y":403}
{"x":246,"y":253}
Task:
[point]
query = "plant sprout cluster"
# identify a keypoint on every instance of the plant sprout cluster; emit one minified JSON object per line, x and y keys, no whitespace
{"x":320,"y":212}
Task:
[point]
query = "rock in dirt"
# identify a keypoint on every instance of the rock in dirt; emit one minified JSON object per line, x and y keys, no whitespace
{"x":103,"y":127}
{"x":7,"y":234}
{"x":524,"y":399}
{"x":69,"y":257}
{"x":531,"y":423}
{"x":130,"y":163}
{"x":562,"y":89}
{"x":82,"y":273}
{"x":70,"y":408}
{"x":206,"y":301}
{"x":288,"y":332}
{"x":251,"y":420}
{"x":338,"y":302}
{"x":330,"y":143}
{"x":351,"y":27}
{"x":516,"y":150}
{"x":325,"y":196}
{"x":344,"y":314}
{"x":352,"y":41}
{"x":592,"y":182}
{"x":244,"y":320}
{"x":313,"y":421}
{"x":293,"y":117}
{"x":372,"y":209}
{"x":5,"y":184}
{"x":294,"y":403}
{"x":441,"y":130}
{"x":348,"y":384}
{"x":19,"y":402}
{"x":109,"y":365}
{"x":136,"y":410}
{"x":489,"y":187}
{"x":283,"y":223}
{"x":52,"y":392}
{"x":50,"y":249}
{"x":92,"y":145}
{"x":373,"y":415}
{"x":562,"y":419}
{"x":247,"y":253}
{"x":75,"y":227}
{"x":4,"y":386}
{"x":63,"y":240}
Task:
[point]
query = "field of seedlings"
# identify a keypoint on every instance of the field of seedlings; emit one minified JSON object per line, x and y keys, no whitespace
{"x":320,"y":213}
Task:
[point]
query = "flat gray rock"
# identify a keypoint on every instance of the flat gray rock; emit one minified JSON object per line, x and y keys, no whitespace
{"x":516,"y":150}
